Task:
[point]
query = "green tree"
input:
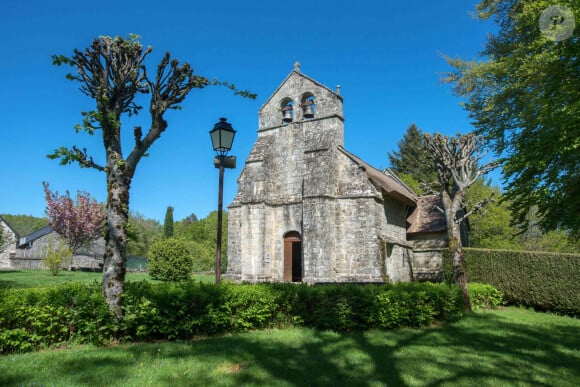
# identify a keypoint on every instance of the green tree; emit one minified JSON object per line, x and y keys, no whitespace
{"x":168,"y":224}
{"x":189,"y":219}
{"x":113,"y":73}
{"x":490,"y":228}
{"x":412,"y":183}
{"x":142,"y":233}
{"x":203,"y":256}
{"x":413,"y":159}
{"x":524,"y":97}
{"x":534,"y":239}
{"x":203,"y":237}
{"x":24,"y":224}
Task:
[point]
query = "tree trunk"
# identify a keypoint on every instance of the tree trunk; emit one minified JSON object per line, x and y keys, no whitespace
{"x":116,"y":237}
{"x":459,"y":265}
{"x":451,"y":207}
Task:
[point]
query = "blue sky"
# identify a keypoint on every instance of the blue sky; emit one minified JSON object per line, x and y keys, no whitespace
{"x":385,"y":55}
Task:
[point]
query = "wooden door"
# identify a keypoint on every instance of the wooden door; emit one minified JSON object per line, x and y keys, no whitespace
{"x":292,"y":257}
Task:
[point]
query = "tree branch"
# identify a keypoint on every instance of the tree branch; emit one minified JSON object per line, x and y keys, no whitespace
{"x":478,"y":208}
{"x":69,"y":156}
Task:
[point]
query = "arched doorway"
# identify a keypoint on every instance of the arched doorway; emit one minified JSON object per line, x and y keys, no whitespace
{"x":292,"y":257}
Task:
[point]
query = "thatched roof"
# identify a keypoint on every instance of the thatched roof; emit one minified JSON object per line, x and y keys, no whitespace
{"x":425,"y":217}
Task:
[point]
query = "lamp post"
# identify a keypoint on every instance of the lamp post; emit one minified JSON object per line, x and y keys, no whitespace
{"x":222,"y":138}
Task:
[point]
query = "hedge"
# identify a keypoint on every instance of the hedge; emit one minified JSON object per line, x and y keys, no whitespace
{"x":76,"y":313}
{"x":542,"y":280}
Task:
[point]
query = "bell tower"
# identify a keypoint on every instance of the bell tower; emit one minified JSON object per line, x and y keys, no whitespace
{"x":290,"y":174}
{"x":301,"y":101}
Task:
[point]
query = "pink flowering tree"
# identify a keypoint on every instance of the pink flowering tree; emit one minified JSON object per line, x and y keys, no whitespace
{"x":78,"y":223}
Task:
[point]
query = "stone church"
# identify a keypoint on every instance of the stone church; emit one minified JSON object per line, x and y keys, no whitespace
{"x":307,"y":210}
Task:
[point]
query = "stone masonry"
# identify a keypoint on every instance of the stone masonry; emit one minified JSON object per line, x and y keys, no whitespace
{"x":307,"y":210}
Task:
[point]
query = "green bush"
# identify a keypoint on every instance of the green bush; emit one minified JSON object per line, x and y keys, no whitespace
{"x":36,"y":318}
{"x":542,"y":280}
{"x":39,"y":317}
{"x":57,"y":258}
{"x":484,"y":296}
{"x":170,"y":260}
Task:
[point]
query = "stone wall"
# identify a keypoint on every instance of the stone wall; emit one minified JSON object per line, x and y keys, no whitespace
{"x":427,"y":256}
{"x":8,"y":248}
{"x":80,"y":262}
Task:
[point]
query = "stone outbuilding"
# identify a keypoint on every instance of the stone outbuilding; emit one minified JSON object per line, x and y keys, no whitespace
{"x":307,"y":210}
{"x":28,"y":251}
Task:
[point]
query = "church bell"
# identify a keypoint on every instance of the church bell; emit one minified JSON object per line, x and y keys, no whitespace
{"x":287,"y":113}
{"x":307,"y":109}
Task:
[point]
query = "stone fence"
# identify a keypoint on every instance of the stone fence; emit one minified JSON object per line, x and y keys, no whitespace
{"x":80,"y":262}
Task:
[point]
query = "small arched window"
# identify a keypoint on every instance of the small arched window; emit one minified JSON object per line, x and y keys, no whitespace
{"x":308,"y":106}
{"x":287,"y":108}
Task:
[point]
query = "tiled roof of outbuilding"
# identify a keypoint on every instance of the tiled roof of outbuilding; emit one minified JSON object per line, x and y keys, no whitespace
{"x":426,"y":218}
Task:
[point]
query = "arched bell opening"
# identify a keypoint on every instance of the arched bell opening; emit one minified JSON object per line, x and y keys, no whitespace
{"x":308,"y":106}
{"x":293,"y":257}
{"x":287,"y":109}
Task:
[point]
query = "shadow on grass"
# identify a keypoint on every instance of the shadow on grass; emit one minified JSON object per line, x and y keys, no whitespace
{"x":482,"y":349}
{"x":7,"y":283}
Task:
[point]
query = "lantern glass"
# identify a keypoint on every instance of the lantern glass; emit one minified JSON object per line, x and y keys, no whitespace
{"x":222,"y":136}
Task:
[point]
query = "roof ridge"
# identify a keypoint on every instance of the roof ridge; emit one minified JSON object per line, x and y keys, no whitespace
{"x":377,"y":177}
{"x":294,"y":71}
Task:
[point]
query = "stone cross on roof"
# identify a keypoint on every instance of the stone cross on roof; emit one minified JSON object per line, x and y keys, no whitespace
{"x":297,"y":66}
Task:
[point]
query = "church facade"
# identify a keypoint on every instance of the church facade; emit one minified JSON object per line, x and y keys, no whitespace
{"x":307,"y":210}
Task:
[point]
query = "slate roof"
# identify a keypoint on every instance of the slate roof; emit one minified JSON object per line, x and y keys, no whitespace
{"x":388,"y":183}
{"x":35,"y":235}
{"x":425,"y":217}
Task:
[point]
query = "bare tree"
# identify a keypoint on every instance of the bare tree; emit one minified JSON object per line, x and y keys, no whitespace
{"x":112,"y":72}
{"x":458,"y":164}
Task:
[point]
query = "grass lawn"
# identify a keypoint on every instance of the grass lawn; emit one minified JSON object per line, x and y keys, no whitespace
{"x":508,"y":347}
{"x":35,"y":278}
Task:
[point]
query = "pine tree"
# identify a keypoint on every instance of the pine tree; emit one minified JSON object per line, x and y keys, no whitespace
{"x":168,"y":224}
{"x":413,"y":158}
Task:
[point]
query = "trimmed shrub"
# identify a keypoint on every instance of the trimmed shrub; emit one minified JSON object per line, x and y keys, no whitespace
{"x":542,"y":280}
{"x":40,"y":317}
{"x":36,"y":318}
{"x":170,"y":260}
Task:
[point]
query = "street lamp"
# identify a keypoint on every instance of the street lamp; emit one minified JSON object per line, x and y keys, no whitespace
{"x":222,"y":138}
